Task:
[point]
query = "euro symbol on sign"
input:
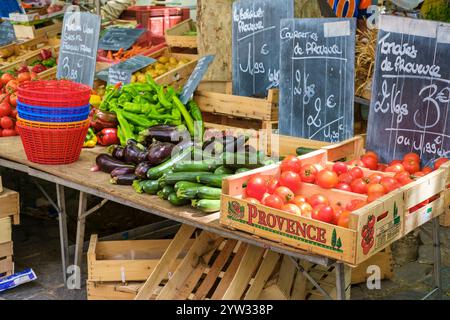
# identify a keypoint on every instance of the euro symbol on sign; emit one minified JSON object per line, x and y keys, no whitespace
{"x":263,"y":50}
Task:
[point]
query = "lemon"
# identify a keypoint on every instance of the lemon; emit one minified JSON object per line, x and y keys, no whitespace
{"x":163,"y":59}
{"x":95,"y":100}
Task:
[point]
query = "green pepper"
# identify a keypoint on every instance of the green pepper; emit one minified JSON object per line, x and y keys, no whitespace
{"x":125,"y":127}
{"x":138,"y":120}
{"x":187,"y":117}
{"x":49,"y":63}
{"x":196,"y":114}
{"x":121,"y":136}
{"x":111,"y":91}
{"x":163,"y":99}
{"x":138,"y":108}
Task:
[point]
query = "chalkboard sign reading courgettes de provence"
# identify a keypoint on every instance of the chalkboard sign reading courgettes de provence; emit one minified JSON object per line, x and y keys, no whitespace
{"x":117,"y":38}
{"x":317,"y":78}
{"x":7,"y":34}
{"x":410,"y":106}
{"x":78,"y":50}
{"x":256,"y":44}
{"x":131,"y":65}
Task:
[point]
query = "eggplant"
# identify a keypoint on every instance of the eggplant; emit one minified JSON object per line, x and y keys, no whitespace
{"x":159,"y":152}
{"x":134,"y":154}
{"x":117,"y":152}
{"x":124,"y":180}
{"x":107,"y":163}
{"x":164,"y":133}
{"x":141,"y":169}
{"x":121,"y":171}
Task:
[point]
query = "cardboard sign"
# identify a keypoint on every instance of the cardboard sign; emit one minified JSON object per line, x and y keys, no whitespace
{"x":410,"y":106}
{"x":117,"y":38}
{"x":7,"y":34}
{"x":256,"y":44}
{"x":78,"y":50}
{"x":317,"y":63}
{"x":133,"y":64}
{"x":195,"y":78}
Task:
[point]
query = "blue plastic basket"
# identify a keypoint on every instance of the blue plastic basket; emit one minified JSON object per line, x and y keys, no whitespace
{"x":43,"y":114}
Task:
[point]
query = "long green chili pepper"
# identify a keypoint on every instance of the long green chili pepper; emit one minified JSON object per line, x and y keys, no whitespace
{"x":109,"y":96}
{"x":187,"y":117}
{"x":196,"y":114}
{"x":162,"y":98}
{"x":126,"y":128}
{"x":137,"y":120}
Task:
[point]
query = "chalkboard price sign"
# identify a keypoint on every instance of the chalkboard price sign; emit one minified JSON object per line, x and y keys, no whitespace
{"x":410,"y":106}
{"x":256,"y":44}
{"x":195,"y":78}
{"x":317,"y":78}
{"x":7,"y":34}
{"x":117,"y":38}
{"x":117,"y":74}
{"x":78,"y":50}
{"x":131,"y":65}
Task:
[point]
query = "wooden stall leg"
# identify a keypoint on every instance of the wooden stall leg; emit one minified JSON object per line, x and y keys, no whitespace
{"x":80,"y":229}
{"x":62,"y":220}
{"x":340,"y":281}
{"x":437,"y":274}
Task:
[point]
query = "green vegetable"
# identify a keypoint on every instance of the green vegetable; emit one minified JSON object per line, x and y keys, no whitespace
{"x":243,"y":160}
{"x":212,"y":180}
{"x":241,"y":170}
{"x":151,"y":186}
{"x":49,"y":63}
{"x":175,"y":177}
{"x":302,"y":150}
{"x":165,"y":192}
{"x":174,"y":200}
{"x":185,"y":185}
{"x":206,"y":205}
{"x":125,"y":127}
{"x":199,"y":126}
{"x":138,"y":120}
{"x":224,"y":170}
{"x":121,"y":136}
{"x":111,"y":92}
{"x":195,"y":166}
{"x":187,"y":117}
{"x":158,"y":171}
{"x":202,"y":192}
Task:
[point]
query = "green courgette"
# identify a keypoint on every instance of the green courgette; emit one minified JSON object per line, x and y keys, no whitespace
{"x":195,"y":166}
{"x":202,"y":192}
{"x":212,"y":180}
{"x":174,"y":200}
{"x":158,"y":171}
{"x":165,"y":192}
{"x":206,"y":205}
{"x":185,"y":184}
{"x":302,"y":150}
{"x":175,"y":177}
{"x":243,"y":160}
{"x":241,"y":170}
{"x":223,"y":170}
{"x":147,"y":186}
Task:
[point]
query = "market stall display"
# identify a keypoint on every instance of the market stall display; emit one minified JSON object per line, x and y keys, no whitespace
{"x":182,"y":35}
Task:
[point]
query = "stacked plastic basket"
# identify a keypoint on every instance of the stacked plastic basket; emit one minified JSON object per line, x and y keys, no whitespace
{"x":53,"y":120}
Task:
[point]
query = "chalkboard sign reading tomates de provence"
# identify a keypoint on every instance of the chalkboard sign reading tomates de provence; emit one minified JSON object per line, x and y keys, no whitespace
{"x":78,"y":50}
{"x":117,"y":38}
{"x":317,"y":78}
{"x":256,"y":44}
{"x":410,"y":106}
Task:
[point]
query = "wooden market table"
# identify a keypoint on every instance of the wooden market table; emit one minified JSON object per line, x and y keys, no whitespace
{"x":78,"y":176}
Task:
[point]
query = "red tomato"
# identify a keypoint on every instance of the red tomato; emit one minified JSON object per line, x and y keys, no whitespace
{"x":395,"y":162}
{"x":359,"y":185}
{"x":373,"y":188}
{"x":4,"y":97}
{"x":343,"y":186}
{"x":306,"y":209}
{"x":318,"y":199}
{"x":323,"y":213}
{"x":264,"y":197}
{"x":337,"y":210}
{"x":346,"y":178}
{"x":14,"y":113}
{"x":291,"y":180}
{"x":252,"y":200}
{"x":24,"y":76}
{"x":291,"y":163}
{"x":284,"y":193}
{"x":13,"y":100}
{"x":33,"y":75}
{"x":274,"y":201}
{"x":403,"y":178}
{"x":356,"y":163}
{"x":426,"y":170}
{"x":355,"y":204}
{"x":9,"y":133}
{"x":344,"y":219}
{"x":340,"y":168}
{"x":256,"y":187}
{"x":6,"y":77}
{"x":417,"y":175}
{"x":372,"y":154}
{"x":374,"y":196}
{"x":411,"y":157}
{"x":292,"y":208}
{"x":11,"y":86}
{"x":411,"y":166}
{"x":375,"y":177}
{"x":1,"y":131}
{"x":389,"y":184}
{"x":298,"y":200}
{"x":272,"y":184}
{"x":308,"y":173}
{"x":439,"y":162}
{"x":356,"y":173}
{"x":327,"y":179}
{"x":6,"y":123}
{"x":382,"y":167}
{"x":397,"y":167}
{"x":370,"y":162}
{"x":5,"y":109}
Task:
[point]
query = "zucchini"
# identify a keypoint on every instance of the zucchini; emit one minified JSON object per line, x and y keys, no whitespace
{"x":165,"y":192}
{"x":212,"y":180}
{"x":151,"y":186}
{"x":240,"y":170}
{"x":195,"y":166}
{"x":206,"y":205}
{"x":185,"y":184}
{"x":175,"y":177}
{"x":175,"y":201}
{"x":202,"y":192}
{"x":223,"y":170}
{"x":158,"y":171}
{"x":243,"y":160}
{"x":302,"y":150}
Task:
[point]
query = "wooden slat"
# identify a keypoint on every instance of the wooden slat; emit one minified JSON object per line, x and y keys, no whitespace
{"x":382,"y":259}
{"x":6,"y":249}
{"x":6,"y":265}
{"x":263,"y":274}
{"x":286,"y":277}
{"x":5,"y":230}
{"x":163,"y":267}
{"x":301,"y":283}
{"x":239,"y":284}
{"x":9,"y":205}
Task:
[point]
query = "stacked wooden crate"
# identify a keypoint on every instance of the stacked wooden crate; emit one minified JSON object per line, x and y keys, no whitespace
{"x":9,"y":214}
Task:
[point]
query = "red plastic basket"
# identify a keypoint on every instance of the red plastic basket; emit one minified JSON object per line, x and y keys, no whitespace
{"x":54,"y":93}
{"x":52,"y":146}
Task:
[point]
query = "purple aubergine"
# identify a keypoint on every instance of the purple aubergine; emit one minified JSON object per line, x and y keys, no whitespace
{"x":124,"y":180}
{"x":121,"y":171}
{"x":159,"y":152}
{"x":141,"y":169}
{"x":164,"y":133}
{"x":118,"y":152}
{"x":133,"y":154}
{"x":107,"y":163}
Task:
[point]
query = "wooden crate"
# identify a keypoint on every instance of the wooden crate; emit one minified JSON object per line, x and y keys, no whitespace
{"x":10,"y":205}
{"x":111,"y":290}
{"x":32,"y":45}
{"x":5,"y":230}
{"x":382,"y":259}
{"x":175,"y":36}
{"x":6,"y":262}
{"x":445,"y":217}
{"x":34,"y":31}
{"x":124,"y":261}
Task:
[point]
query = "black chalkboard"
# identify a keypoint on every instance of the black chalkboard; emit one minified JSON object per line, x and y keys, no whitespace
{"x":195,"y":78}
{"x":116,"y":38}
{"x":78,"y":50}
{"x":256,"y":44}
{"x":7,"y":34}
{"x":409,"y":110}
{"x":317,"y":61}
{"x":132,"y":65}
{"x":117,"y":74}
